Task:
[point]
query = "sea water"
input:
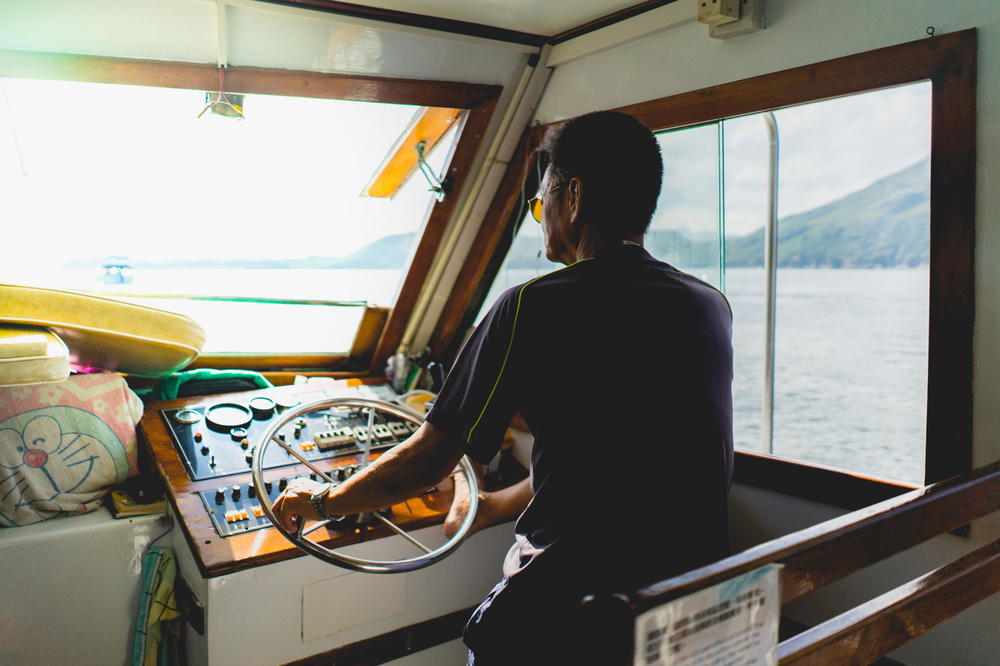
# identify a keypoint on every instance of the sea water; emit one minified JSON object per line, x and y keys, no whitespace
{"x":850,"y":346}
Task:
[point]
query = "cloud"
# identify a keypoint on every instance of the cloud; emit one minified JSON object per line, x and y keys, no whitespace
{"x":828,"y":149}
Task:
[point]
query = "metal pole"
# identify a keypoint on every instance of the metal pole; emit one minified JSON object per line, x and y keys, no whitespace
{"x":770,"y":290}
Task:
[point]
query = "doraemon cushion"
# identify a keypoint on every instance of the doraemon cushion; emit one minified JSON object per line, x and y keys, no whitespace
{"x":62,"y":445}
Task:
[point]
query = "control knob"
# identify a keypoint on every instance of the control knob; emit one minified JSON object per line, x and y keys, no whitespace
{"x":220,"y":496}
{"x":236,"y":493}
{"x":262,"y":408}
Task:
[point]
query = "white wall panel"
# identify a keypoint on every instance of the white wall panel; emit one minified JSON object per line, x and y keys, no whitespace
{"x":155,"y":29}
{"x":70,"y":587}
{"x":258,"y":34}
{"x":263,"y":37}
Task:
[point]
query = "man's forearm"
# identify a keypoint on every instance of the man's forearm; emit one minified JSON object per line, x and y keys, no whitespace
{"x":510,"y":502}
{"x":403,"y":472}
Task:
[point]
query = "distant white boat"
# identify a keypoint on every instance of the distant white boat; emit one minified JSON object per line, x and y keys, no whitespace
{"x":116,"y":270}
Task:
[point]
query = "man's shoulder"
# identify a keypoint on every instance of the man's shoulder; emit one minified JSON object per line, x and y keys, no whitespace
{"x":563,"y":278}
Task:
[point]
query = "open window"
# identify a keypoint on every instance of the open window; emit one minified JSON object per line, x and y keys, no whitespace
{"x":873,"y":280}
{"x":241,"y":197}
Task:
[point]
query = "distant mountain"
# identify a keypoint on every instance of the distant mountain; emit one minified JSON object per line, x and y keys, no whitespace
{"x":883,"y":225}
{"x":672,"y":246}
{"x":387,"y":252}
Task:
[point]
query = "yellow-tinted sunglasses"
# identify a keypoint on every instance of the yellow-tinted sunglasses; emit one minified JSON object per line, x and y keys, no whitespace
{"x":535,"y":204}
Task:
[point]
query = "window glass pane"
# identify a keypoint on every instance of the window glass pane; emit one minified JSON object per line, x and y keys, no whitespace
{"x":123,"y":190}
{"x":746,"y":187}
{"x":525,"y":261}
{"x":685,"y":230}
{"x":852,"y":287}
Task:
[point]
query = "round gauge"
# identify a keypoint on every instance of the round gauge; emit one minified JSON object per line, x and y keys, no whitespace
{"x":262,"y":408}
{"x":238,"y":433}
{"x":187,"y":416}
{"x":226,"y":416}
{"x":286,"y":401}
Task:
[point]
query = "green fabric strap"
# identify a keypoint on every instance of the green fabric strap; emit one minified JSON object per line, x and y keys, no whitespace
{"x":170,"y":385}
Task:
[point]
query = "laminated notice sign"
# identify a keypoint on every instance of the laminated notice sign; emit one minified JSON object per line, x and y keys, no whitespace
{"x":734,"y":623}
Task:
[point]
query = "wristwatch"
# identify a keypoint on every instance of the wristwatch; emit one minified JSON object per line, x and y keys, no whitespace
{"x":318,"y":500}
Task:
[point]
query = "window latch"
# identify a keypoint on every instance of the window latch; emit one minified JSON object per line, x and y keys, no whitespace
{"x":438,"y":186}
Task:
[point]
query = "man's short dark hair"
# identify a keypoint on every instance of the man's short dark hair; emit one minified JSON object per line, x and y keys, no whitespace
{"x":618,"y":159}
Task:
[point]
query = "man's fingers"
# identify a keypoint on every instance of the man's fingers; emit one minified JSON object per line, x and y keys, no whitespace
{"x":283,"y":510}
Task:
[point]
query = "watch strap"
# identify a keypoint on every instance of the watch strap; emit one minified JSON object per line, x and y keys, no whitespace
{"x":318,"y":501}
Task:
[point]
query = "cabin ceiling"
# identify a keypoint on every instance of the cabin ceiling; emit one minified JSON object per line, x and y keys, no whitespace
{"x":556,"y":19}
{"x":542,"y":18}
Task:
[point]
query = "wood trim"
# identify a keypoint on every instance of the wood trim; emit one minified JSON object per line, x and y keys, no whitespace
{"x":940,"y":59}
{"x":487,"y":248}
{"x":470,"y":28}
{"x":271,"y":361}
{"x":248,"y":80}
{"x":824,"y":553}
{"x":825,"y":485}
{"x":607,"y":19}
{"x":369,"y":330}
{"x":952,"y":252}
{"x":417,"y":20}
{"x":866,"y":632}
{"x":949,"y":62}
{"x":472,"y":133}
{"x":283,"y":378}
{"x":394,"y":644}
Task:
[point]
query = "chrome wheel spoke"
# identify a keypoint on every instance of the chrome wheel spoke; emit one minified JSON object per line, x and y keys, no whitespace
{"x":401,"y":532}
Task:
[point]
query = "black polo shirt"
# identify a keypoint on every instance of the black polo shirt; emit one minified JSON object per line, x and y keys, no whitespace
{"x":622,"y":367}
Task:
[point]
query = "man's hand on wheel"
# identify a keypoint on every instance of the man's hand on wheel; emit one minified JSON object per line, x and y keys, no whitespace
{"x":294,"y":502}
{"x":460,"y":508}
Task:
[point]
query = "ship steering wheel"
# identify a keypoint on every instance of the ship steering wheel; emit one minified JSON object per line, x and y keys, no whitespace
{"x":299,"y":537}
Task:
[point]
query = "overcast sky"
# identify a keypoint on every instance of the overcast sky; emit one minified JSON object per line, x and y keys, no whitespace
{"x":95,"y":170}
{"x":827,"y":150}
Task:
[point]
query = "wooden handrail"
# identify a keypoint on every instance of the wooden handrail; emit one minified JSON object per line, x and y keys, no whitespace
{"x":866,"y":632}
{"x":819,"y":555}
{"x":858,"y":539}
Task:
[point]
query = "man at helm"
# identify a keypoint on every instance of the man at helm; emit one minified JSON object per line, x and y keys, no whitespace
{"x":621,"y":365}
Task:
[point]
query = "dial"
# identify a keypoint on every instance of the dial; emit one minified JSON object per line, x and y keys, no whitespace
{"x":226,"y":416}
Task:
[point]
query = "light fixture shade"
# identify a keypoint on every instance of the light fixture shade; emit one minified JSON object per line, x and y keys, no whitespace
{"x":229,"y":105}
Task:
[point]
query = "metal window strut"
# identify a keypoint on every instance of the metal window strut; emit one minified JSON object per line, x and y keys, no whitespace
{"x":770,"y":277}
{"x":438,"y":186}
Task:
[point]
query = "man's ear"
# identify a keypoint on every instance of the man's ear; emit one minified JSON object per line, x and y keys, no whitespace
{"x":575,"y":202}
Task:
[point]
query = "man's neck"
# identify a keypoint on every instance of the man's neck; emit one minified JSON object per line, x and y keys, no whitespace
{"x":591,"y":245}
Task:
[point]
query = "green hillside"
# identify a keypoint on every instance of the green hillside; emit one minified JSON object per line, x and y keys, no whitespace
{"x":884,"y":225}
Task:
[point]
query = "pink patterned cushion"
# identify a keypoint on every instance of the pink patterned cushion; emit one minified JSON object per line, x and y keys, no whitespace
{"x":62,"y":445}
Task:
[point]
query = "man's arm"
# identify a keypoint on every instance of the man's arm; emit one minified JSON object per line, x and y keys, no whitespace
{"x":494,"y":508}
{"x":422,"y":461}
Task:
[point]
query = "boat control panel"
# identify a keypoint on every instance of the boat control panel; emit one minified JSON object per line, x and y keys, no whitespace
{"x":202,"y":447}
{"x":216,"y":441}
